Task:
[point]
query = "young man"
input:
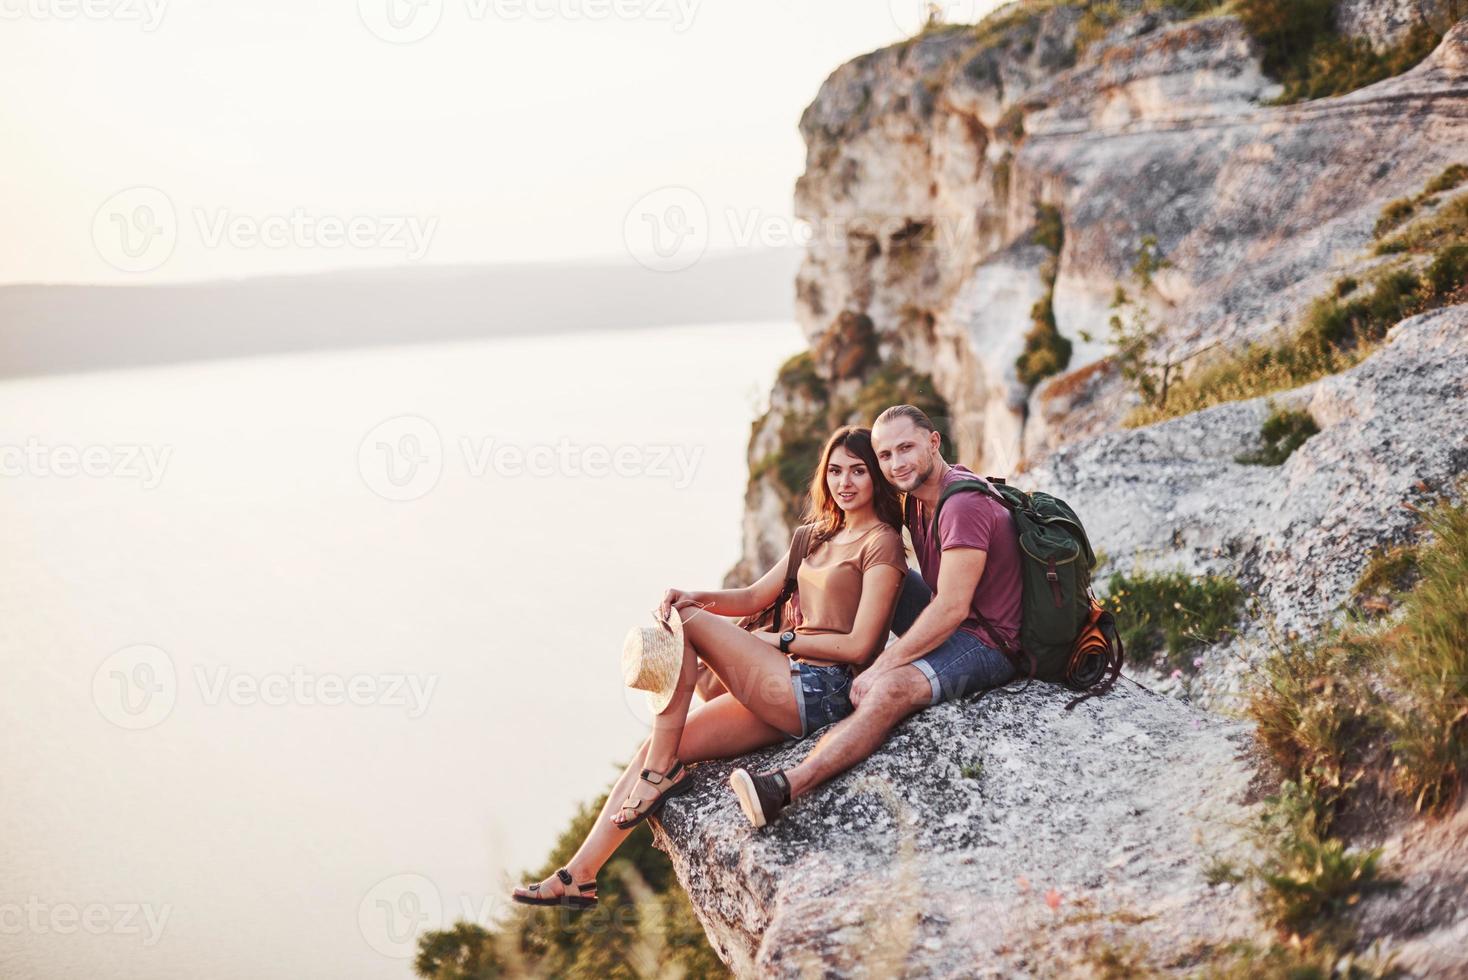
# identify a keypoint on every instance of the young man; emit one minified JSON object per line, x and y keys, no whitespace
{"x":949,"y":642}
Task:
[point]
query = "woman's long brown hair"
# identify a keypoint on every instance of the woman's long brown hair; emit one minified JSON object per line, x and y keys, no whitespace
{"x":822,"y":509}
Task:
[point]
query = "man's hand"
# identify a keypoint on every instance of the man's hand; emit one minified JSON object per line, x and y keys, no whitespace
{"x":864,"y":682}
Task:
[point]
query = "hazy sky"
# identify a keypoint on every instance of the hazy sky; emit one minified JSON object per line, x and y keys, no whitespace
{"x":163,"y":140}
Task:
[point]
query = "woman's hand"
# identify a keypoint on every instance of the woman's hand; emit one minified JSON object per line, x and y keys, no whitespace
{"x":773,"y":639}
{"x":675,"y":599}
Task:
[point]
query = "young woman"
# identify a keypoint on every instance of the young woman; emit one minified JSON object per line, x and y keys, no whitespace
{"x":847,"y":591}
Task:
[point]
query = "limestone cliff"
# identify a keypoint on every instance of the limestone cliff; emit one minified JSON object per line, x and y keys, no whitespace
{"x":927,"y":163}
{"x":964,"y":186}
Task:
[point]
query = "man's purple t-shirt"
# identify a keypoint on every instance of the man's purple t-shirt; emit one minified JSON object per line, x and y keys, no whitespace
{"x":975,"y":520}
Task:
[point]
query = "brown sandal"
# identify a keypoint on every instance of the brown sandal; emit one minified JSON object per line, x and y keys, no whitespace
{"x":650,"y":806}
{"x":575,"y":896}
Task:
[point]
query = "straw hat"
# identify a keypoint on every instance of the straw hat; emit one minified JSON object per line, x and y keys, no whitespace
{"x":652,"y":659}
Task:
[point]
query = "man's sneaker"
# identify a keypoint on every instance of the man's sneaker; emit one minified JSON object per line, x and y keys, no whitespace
{"x":761,"y":796}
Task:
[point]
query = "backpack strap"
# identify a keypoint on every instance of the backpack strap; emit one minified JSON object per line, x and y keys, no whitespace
{"x":962,"y":486}
{"x":799,"y":546}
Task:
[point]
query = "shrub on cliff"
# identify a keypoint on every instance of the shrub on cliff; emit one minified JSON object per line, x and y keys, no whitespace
{"x":1300,"y":47}
{"x":642,"y":925}
{"x":1164,"y":617}
{"x":1342,"y":327}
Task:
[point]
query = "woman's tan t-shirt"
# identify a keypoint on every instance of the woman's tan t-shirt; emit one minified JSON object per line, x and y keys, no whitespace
{"x":830,"y":577}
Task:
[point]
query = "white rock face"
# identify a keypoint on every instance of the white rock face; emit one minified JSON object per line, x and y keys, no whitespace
{"x":923,"y":198}
{"x":926,"y":164}
{"x":1384,"y":21}
{"x":1393,"y":436}
{"x":995,"y":838}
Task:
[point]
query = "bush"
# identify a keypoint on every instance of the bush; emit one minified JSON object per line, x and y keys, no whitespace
{"x":642,"y":924}
{"x":1301,"y":49}
{"x":1337,"y":331}
{"x":1313,"y":708}
{"x":1046,"y":350}
{"x":1447,"y":180}
{"x":1389,"y":573}
{"x":1428,"y":653}
{"x":1171,"y":614}
{"x":1286,"y":31}
{"x":1394,"y":214}
{"x":1309,"y":876}
{"x":1282,"y":433}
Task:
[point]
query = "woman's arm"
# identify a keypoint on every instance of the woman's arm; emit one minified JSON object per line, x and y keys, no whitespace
{"x":735,"y":602}
{"x":880,"y":585}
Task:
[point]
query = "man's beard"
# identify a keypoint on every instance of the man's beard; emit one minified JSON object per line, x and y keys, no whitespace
{"x":920,"y":477}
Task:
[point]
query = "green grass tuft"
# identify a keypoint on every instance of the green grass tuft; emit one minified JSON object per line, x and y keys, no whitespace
{"x":1284,"y":431}
{"x":1428,"y":650}
{"x":1168,"y":616}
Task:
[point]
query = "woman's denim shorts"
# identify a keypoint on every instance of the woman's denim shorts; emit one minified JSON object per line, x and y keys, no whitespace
{"x":822,"y":694}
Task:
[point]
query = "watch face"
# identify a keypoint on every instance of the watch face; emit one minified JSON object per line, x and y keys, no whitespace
{"x":788,"y":635}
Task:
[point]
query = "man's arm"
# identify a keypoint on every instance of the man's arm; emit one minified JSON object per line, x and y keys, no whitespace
{"x":958,"y":577}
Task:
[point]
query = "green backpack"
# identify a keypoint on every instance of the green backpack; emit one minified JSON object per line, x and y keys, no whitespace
{"x":1065,"y":636}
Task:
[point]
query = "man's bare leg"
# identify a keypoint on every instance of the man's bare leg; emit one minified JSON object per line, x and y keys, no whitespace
{"x":895,"y":696}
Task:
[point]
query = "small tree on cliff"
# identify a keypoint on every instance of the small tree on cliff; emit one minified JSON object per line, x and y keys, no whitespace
{"x":1136,"y":336}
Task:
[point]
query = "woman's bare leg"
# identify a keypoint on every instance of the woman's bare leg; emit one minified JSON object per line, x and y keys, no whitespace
{"x":718,"y":729}
{"x":755,"y":673}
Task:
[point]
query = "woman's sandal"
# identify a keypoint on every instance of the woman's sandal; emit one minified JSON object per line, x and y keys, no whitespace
{"x":582,"y":896}
{"x":649,"y":806}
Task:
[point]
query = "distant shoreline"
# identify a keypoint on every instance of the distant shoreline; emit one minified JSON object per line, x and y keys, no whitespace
{"x":55,"y":329}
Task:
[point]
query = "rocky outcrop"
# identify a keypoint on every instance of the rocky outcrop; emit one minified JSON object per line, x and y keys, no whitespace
{"x":1000,"y":837}
{"x":927,"y":161}
{"x":1007,"y":836}
{"x":1386,"y":21}
{"x":1393,"y":437}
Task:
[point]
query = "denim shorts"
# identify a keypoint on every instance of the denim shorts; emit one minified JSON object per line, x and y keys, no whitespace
{"x":822,"y":694}
{"x":963,"y":663}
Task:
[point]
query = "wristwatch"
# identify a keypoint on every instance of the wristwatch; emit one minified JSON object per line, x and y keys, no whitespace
{"x":785,"y":640}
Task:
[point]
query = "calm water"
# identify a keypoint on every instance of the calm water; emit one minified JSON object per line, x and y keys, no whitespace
{"x":305,"y":654}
